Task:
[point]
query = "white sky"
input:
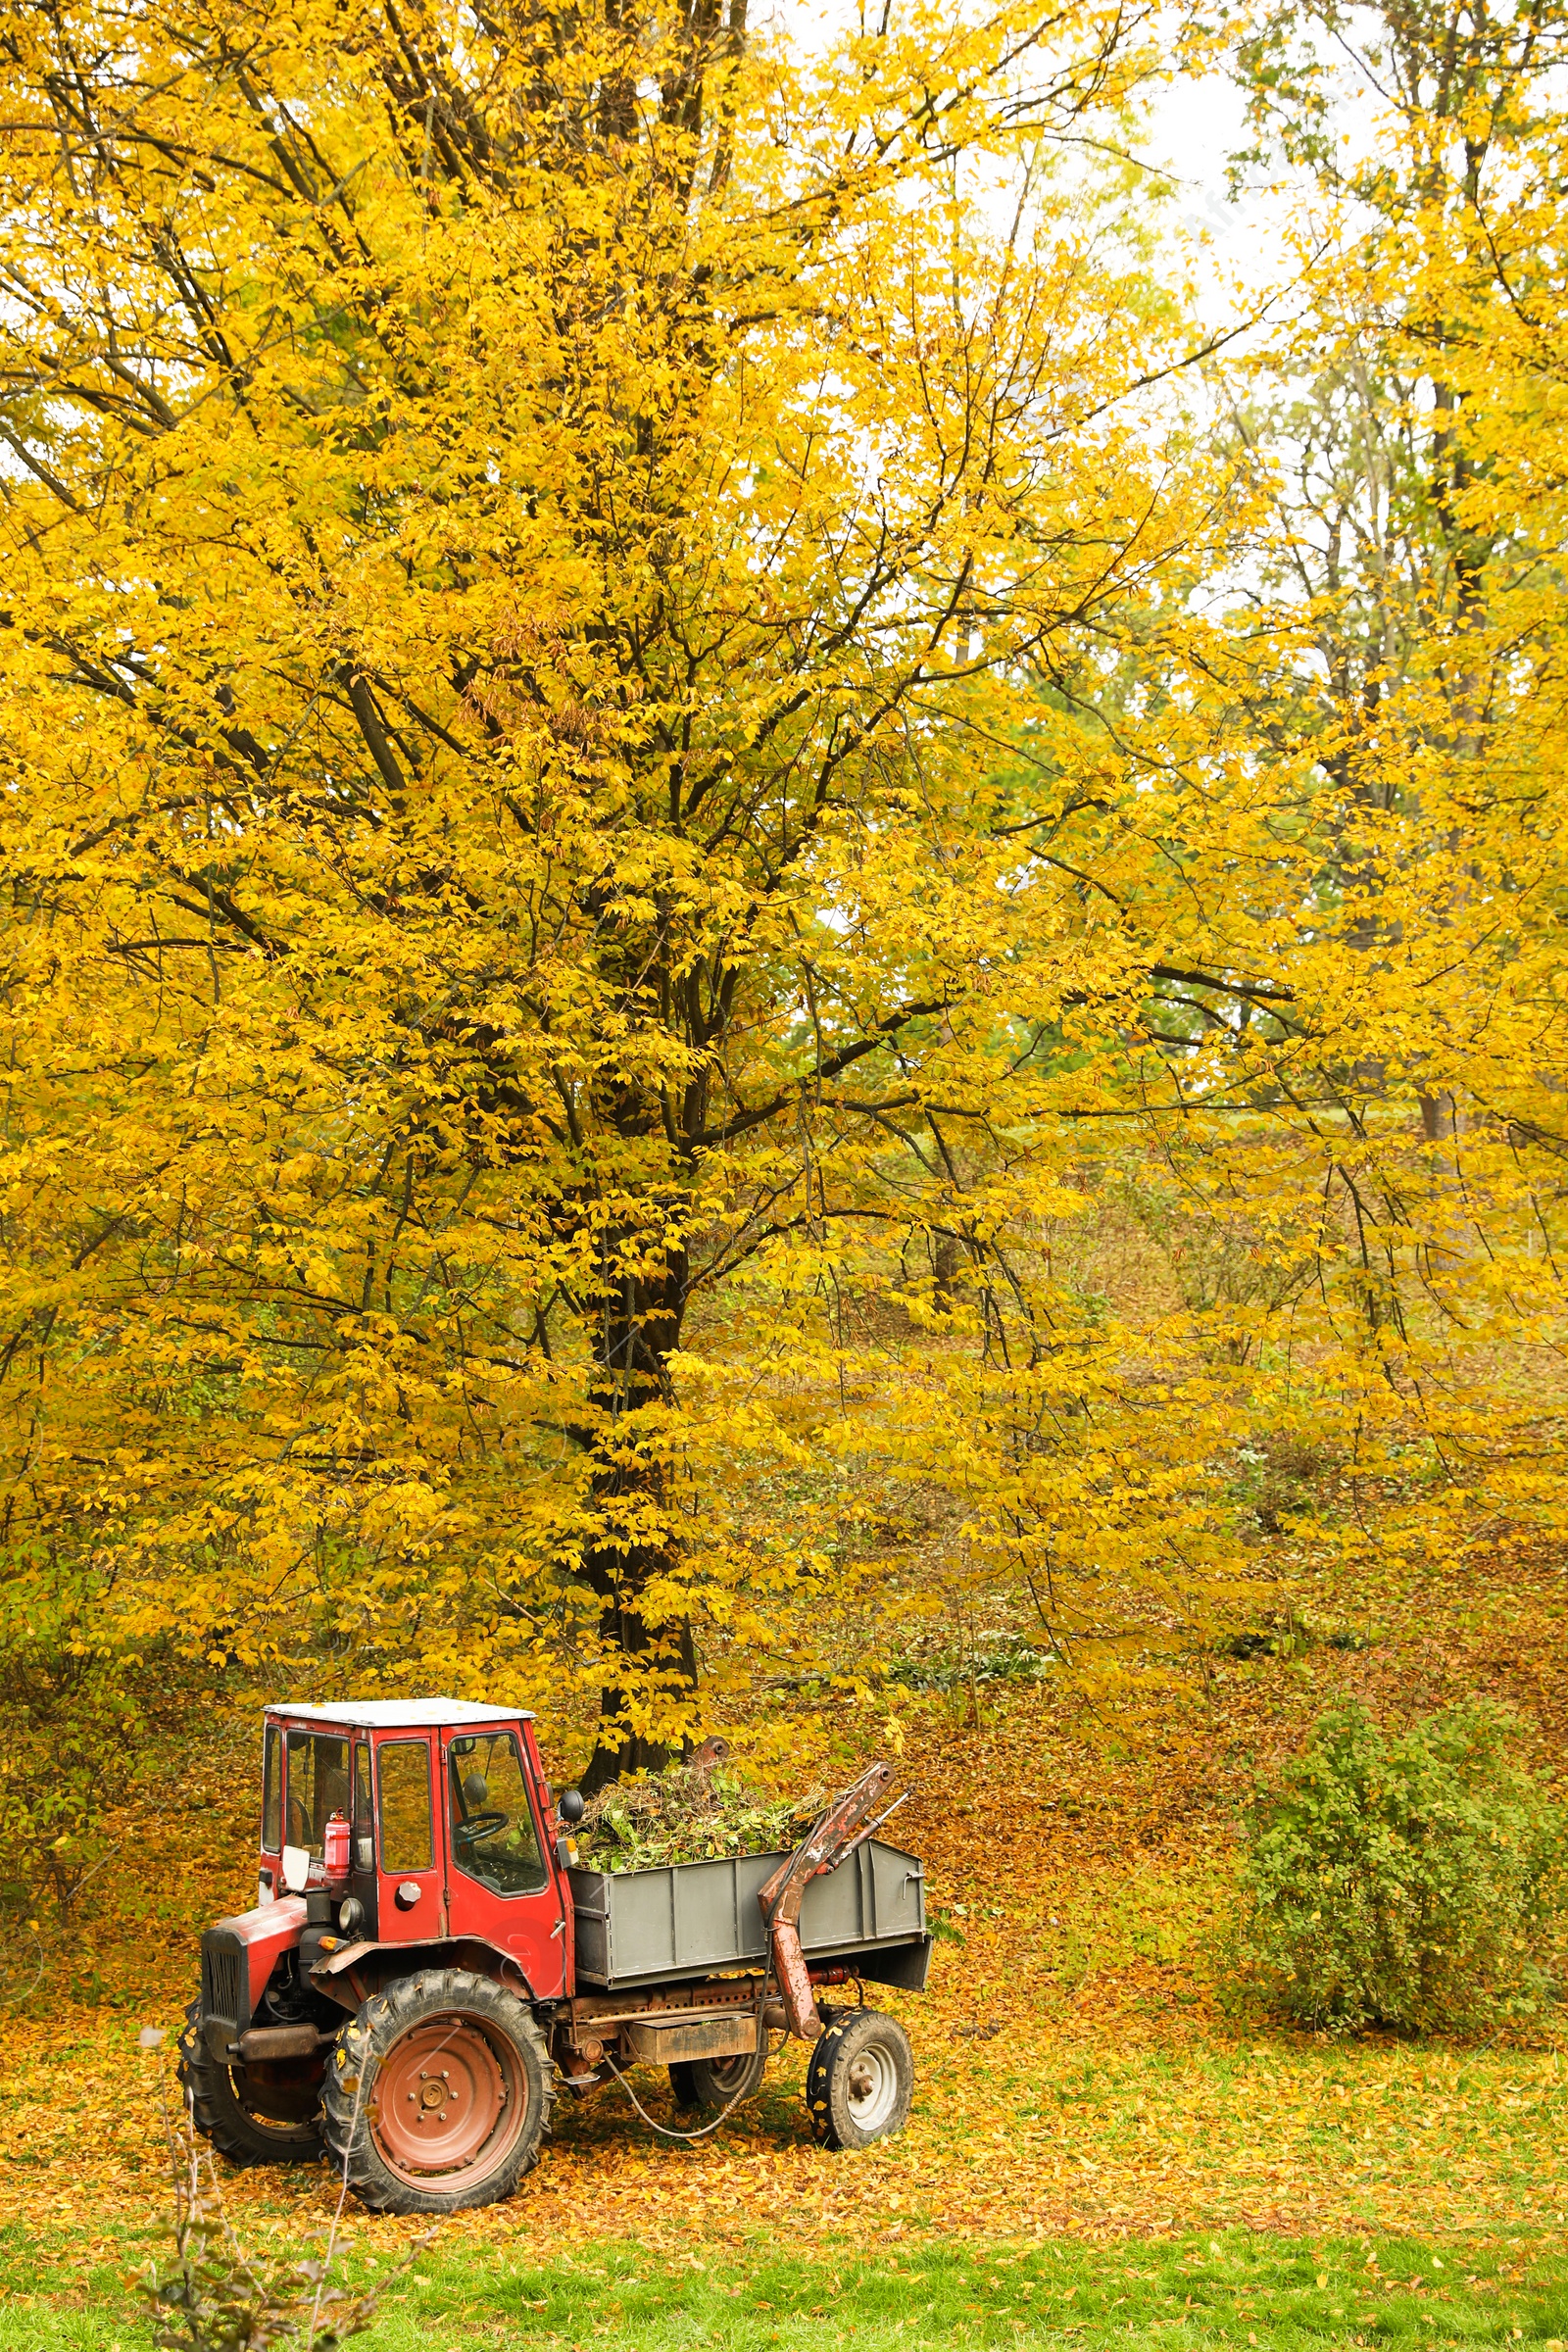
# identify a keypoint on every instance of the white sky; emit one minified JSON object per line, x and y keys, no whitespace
{"x":1193,"y":126}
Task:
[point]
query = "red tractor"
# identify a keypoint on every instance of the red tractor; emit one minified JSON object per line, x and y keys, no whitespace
{"x":425,"y":1965}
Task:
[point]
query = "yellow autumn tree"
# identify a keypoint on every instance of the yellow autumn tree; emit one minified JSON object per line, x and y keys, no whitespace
{"x":525,"y":541}
{"x":720,"y":935}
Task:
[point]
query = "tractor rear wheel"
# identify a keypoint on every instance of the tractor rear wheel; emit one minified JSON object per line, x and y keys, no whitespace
{"x":249,"y":2119}
{"x":716,"y":2082}
{"x":860,"y":2079}
{"x":438,"y":2094}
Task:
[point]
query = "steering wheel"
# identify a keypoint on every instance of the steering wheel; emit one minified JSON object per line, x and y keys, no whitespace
{"x":483,"y":1828}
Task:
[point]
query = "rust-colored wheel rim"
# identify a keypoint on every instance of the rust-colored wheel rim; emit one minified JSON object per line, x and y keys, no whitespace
{"x":451,"y":2097}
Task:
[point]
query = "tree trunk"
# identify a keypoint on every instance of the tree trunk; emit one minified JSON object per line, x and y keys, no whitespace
{"x":619,"y":1751}
{"x":943,"y":1270}
{"x":629,"y":1488}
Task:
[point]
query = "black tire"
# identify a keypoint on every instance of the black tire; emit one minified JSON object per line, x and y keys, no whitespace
{"x":487,"y":2106}
{"x":237,"y":2110}
{"x":817,"y":2066}
{"x":860,"y":2079}
{"x":716,"y":2082}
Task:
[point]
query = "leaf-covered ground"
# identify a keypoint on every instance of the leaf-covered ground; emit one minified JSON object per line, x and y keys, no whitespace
{"x":1083,"y":2092}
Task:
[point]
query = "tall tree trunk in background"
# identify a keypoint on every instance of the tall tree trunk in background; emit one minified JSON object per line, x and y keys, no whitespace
{"x":629,"y":1494}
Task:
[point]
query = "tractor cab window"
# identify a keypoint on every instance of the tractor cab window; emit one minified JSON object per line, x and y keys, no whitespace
{"x":493,"y":1836}
{"x":317,"y":1785}
{"x":363,"y":1823}
{"x":403,"y":1769}
{"x":272,"y":1793}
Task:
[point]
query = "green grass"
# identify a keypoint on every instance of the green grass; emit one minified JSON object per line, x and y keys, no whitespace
{"x":1177,"y":2294}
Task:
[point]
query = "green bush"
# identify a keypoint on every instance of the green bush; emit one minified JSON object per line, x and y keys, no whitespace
{"x":1400,"y":1878}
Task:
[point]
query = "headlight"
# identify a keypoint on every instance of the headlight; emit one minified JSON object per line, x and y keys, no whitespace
{"x":350,"y":1914}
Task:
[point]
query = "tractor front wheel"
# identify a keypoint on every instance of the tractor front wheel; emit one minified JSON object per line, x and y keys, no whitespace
{"x":438,"y":2094}
{"x":253,"y":2115}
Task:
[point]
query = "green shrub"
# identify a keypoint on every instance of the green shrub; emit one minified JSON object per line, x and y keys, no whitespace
{"x":1400,"y":1878}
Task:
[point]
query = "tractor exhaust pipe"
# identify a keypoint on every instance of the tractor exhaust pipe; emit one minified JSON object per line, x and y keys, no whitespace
{"x":278,"y":2041}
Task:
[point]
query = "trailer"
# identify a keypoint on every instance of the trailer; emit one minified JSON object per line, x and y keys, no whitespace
{"x":426,"y":1968}
{"x":641,"y":1926}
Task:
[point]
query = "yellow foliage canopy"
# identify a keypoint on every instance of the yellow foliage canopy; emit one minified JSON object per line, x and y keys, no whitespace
{"x":646,"y":820}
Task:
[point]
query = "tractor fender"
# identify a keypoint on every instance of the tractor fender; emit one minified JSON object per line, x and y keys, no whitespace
{"x":354,"y":1970}
{"x":263,"y":1936}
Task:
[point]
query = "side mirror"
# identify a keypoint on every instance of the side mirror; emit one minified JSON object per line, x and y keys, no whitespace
{"x":571,"y":1807}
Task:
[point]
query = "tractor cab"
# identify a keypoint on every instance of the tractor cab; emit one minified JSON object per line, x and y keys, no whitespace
{"x":420,"y":1821}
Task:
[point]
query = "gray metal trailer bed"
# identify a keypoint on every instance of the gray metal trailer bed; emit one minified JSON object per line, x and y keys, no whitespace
{"x":693,"y":1919}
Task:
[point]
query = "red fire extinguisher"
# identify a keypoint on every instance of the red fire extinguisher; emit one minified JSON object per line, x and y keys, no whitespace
{"x":336,"y":1848}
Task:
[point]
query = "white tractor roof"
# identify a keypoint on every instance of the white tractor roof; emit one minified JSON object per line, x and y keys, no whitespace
{"x":393,"y":1714}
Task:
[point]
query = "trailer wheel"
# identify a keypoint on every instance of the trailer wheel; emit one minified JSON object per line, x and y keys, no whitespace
{"x":815,"y":2065}
{"x":860,"y":2079}
{"x":716,"y":2082}
{"x":438,"y":2094}
{"x":249,"y":2119}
